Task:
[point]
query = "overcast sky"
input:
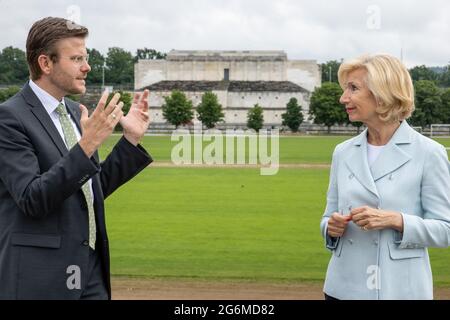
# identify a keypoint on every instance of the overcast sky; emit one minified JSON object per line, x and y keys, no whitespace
{"x":305,"y":29}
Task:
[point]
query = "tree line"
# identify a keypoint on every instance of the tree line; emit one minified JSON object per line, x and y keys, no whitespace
{"x":117,"y":66}
{"x":432,"y":105}
{"x":432,"y":97}
{"x":432,"y":92}
{"x":440,"y":76}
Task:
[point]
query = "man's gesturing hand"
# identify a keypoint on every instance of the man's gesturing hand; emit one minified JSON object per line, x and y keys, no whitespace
{"x":100,"y":125}
{"x":136,"y":122}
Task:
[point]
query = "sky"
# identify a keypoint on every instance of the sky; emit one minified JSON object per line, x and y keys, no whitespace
{"x":417,"y":31}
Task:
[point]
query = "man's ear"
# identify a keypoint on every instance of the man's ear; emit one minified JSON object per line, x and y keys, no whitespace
{"x":45,"y":63}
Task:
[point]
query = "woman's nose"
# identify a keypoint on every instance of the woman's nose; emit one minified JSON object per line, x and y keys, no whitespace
{"x":345,"y":98}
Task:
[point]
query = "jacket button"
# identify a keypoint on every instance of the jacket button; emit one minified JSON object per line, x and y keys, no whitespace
{"x":85,"y":243}
{"x":350,"y":241}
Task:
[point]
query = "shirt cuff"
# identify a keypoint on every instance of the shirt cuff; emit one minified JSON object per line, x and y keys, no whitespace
{"x":331,"y":242}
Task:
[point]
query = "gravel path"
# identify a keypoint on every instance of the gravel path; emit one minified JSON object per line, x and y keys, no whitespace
{"x":155,"y":289}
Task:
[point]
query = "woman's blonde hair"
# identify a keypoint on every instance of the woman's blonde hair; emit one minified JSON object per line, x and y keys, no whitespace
{"x":388,"y":80}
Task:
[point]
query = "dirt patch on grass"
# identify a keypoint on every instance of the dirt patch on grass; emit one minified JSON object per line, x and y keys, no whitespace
{"x":155,"y":289}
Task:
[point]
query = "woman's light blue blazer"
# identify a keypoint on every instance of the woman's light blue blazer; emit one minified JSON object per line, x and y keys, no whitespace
{"x":410,"y":176}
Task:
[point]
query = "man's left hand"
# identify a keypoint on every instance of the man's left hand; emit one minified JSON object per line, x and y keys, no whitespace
{"x":137,"y":120}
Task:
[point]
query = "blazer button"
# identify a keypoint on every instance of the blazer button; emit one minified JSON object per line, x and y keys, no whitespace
{"x":85,"y":243}
{"x":350,"y":241}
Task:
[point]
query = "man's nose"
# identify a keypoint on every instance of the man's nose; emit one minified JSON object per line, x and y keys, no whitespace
{"x":86,"y":67}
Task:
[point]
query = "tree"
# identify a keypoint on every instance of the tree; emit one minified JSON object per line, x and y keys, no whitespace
{"x":149,"y":54}
{"x":445,"y":77}
{"x":177,"y":109}
{"x":325,"y":107}
{"x":96,"y":60}
{"x":7,"y":93}
{"x":13,"y":66}
{"x":120,"y":66}
{"x":423,"y":73}
{"x":293,"y":117}
{"x":326,"y":67}
{"x":445,"y":98}
{"x":209,"y":110}
{"x":428,"y":104}
{"x":255,"y":118}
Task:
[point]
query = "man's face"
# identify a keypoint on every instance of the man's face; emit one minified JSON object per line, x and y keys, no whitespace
{"x":69,"y":72}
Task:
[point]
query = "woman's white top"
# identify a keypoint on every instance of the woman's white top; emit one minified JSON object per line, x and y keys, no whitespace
{"x":373,"y":152}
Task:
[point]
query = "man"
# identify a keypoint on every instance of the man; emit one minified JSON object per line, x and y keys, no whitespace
{"x":53,"y":241}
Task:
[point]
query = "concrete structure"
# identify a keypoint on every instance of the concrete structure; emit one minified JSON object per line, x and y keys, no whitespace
{"x":239,"y":78}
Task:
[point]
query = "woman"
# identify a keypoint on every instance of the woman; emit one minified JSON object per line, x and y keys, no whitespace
{"x":389,"y":193}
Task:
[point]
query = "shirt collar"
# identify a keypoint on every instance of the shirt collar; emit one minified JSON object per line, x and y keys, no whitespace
{"x":49,"y":102}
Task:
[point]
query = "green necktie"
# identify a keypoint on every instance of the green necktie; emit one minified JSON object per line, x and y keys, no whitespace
{"x":71,"y":140}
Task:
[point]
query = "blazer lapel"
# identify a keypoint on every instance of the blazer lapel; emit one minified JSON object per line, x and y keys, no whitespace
{"x":393,"y":156}
{"x":356,"y":162}
{"x":41,"y":114}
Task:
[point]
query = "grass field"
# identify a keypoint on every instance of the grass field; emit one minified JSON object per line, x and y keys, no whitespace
{"x":314,"y":150}
{"x":227,"y":223}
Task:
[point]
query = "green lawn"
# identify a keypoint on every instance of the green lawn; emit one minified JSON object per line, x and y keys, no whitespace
{"x":219,"y":223}
{"x":227,"y":223}
{"x":292,"y":149}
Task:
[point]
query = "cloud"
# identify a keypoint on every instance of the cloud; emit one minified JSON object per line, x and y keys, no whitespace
{"x":321,"y":30}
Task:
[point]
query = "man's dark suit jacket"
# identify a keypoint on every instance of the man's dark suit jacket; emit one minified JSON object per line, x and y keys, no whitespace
{"x":43,"y":213}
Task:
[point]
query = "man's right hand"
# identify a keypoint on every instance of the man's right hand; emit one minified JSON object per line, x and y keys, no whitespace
{"x":100,"y":125}
{"x":337,"y":224}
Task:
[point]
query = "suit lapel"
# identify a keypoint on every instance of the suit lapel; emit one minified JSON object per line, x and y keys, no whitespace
{"x":393,"y":156}
{"x":41,"y":114}
{"x":356,"y":162}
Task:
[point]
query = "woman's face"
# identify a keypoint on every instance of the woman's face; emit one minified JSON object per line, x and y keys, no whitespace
{"x":359,"y":101}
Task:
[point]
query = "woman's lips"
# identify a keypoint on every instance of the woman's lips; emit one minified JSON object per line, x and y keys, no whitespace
{"x":350,"y":110}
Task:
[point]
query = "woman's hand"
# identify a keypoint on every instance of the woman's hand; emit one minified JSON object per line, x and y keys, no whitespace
{"x":337,"y":225}
{"x":376,"y":219}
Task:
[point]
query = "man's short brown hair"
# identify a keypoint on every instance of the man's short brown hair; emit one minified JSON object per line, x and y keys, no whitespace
{"x":42,"y":39}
